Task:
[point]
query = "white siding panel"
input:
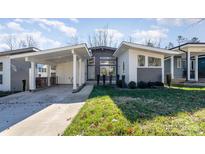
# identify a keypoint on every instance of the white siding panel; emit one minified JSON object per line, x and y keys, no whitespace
{"x":64,"y":72}
{"x":124,"y":57}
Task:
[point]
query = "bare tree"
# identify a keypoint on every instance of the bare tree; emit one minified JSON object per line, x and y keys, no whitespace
{"x":194,"y":40}
{"x":181,"y":39}
{"x":74,"y":40}
{"x":11,"y":42}
{"x":30,"y":41}
{"x":102,"y":37}
{"x":153,"y":43}
{"x":169,"y":46}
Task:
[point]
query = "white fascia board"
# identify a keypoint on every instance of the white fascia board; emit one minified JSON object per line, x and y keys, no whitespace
{"x":152,"y":49}
{"x":52,"y":50}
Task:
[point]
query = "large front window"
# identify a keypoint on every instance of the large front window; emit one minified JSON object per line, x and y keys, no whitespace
{"x":141,"y":60}
{"x":107,"y":70}
{"x":152,"y":61}
{"x":107,"y":61}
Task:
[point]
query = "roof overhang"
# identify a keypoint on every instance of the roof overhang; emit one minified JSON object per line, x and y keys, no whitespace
{"x":126,"y":45}
{"x":56,"y":55}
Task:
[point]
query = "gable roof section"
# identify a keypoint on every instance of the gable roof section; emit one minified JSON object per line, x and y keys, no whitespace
{"x":19,"y":51}
{"x":144,"y":47}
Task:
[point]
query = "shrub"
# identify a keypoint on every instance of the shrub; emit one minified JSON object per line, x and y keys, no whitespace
{"x":151,"y":84}
{"x":159,"y":84}
{"x":142,"y":84}
{"x":119,"y":83}
{"x":132,"y":85}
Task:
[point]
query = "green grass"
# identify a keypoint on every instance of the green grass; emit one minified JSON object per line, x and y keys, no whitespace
{"x":111,"y":111}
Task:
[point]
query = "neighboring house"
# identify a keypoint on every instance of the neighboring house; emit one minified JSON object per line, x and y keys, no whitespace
{"x":42,"y":71}
{"x":191,"y":55}
{"x":101,"y":63}
{"x":13,"y":71}
{"x":141,"y":63}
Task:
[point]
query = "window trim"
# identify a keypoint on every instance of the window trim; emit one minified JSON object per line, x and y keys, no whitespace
{"x":144,"y":61}
{"x":93,"y":60}
{"x":179,"y":63}
{"x":147,"y":62}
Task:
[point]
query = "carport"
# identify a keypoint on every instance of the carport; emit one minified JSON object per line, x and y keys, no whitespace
{"x":70,"y":63}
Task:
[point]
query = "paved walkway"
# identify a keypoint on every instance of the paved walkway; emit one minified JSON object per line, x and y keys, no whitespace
{"x":46,"y":112}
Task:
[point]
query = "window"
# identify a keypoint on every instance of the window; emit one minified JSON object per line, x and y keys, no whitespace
{"x":179,"y":63}
{"x":107,"y":61}
{"x":141,"y":60}
{"x":1,"y":79}
{"x":152,"y":61}
{"x":107,"y":70}
{"x":123,"y":67}
{"x":91,"y":61}
{"x":192,"y":65}
{"x":39,"y":69}
{"x":1,"y":66}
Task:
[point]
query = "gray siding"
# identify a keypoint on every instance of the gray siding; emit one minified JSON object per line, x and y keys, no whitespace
{"x":19,"y":72}
{"x":149,"y":74}
{"x":167,"y":68}
{"x":178,"y":72}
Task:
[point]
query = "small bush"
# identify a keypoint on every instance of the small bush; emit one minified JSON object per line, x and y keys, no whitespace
{"x":132,"y":85}
{"x":151,"y":84}
{"x":119,"y":83}
{"x":159,"y":84}
{"x":142,"y":84}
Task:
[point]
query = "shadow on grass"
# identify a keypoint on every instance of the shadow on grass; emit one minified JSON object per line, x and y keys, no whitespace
{"x":146,"y":104}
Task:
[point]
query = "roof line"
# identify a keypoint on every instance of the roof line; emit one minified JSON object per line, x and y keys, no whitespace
{"x":187,"y":44}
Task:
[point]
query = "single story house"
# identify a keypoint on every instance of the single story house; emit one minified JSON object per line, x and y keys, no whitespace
{"x":77,"y":64}
{"x":188,"y":64}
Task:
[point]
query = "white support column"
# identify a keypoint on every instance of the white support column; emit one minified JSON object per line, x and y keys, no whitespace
{"x":172,"y":67}
{"x":196,"y":68}
{"x":32,"y":76}
{"x":49,"y":74}
{"x":80,"y":72}
{"x":83,"y":72}
{"x":188,"y":65}
{"x":74,"y":70}
{"x":162,"y":63}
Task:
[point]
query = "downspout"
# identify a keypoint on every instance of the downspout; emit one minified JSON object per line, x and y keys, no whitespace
{"x":186,"y":62}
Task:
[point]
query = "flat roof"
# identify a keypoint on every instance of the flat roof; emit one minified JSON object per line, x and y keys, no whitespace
{"x":19,"y":51}
{"x":102,"y":47}
{"x":188,"y":43}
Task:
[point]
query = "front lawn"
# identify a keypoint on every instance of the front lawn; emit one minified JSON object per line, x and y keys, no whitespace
{"x":111,"y":111}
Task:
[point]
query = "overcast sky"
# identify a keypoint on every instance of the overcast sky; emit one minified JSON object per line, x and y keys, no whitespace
{"x":58,"y":32}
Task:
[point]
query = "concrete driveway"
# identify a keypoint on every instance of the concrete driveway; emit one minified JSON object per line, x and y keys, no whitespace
{"x":45,"y":112}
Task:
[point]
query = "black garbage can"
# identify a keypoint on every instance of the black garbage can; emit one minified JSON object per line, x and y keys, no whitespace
{"x":24,"y":85}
